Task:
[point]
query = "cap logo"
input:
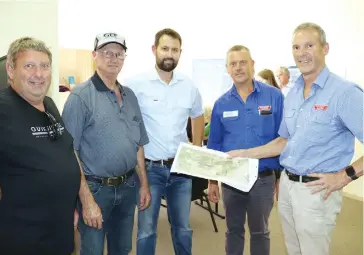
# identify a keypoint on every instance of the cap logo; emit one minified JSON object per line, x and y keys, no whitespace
{"x":110,"y":35}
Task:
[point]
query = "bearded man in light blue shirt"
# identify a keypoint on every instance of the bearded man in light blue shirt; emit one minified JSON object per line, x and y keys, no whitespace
{"x":167,"y":99}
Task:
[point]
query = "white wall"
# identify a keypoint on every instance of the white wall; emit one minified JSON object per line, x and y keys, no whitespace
{"x":209,"y":28}
{"x":36,"y":18}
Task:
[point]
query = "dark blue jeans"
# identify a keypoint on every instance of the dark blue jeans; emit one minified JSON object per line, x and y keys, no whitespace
{"x":117,"y":205}
{"x":177,"y":192}
{"x":257,"y":205}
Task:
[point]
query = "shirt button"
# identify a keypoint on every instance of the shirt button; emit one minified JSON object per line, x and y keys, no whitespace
{"x":298,"y":126}
{"x":292,"y":141}
{"x":289,"y":156}
{"x":301,"y":110}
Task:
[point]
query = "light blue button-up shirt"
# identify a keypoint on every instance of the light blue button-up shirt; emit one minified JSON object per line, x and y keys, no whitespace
{"x":165,"y":109}
{"x":321,"y":129}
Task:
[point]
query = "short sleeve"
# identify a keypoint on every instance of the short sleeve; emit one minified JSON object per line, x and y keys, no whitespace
{"x":197,"y":109}
{"x":74,"y":118}
{"x":283,"y":130}
{"x":350,"y":110}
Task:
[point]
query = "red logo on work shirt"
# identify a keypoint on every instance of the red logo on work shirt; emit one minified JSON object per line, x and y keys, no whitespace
{"x":320,"y":107}
{"x":264,"y":108}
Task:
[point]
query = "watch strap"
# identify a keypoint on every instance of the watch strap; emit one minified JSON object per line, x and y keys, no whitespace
{"x":351,"y":172}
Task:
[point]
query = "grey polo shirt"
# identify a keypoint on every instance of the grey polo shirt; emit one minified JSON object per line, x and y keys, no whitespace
{"x":106,"y":135}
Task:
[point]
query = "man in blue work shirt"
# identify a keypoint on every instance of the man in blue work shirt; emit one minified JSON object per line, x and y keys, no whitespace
{"x":322,"y":117}
{"x":246,"y":116}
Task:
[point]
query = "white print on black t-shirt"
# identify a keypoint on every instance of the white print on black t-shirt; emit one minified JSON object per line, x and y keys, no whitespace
{"x":40,"y":132}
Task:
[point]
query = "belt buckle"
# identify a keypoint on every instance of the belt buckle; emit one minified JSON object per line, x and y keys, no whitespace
{"x":122,"y":178}
{"x":108,"y":182}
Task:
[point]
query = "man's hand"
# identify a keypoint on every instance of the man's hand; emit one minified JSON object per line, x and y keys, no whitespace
{"x":145,"y":197}
{"x":329,"y":181}
{"x":91,"y":214}
{"x":76,"y":216}
{"x":213,"y":192}
{"x":237,"y":153}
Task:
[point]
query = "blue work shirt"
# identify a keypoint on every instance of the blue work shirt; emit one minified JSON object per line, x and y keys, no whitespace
{"x":321,"y":129}
{"x":238,"y":125}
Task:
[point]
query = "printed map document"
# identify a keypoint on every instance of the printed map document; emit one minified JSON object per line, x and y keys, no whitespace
{"x":240,"y":173}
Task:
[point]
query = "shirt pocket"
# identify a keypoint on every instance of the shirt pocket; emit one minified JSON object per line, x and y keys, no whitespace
{"x":151,"y":103}
{"x":289,"y":118}
{"x":231,"y":125}
{"x":318,"y":128}
{"x":265,"y":125}
{"x":135,"y":131}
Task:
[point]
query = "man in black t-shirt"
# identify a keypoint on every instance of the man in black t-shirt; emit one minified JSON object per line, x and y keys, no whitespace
{"x":39,"y":172}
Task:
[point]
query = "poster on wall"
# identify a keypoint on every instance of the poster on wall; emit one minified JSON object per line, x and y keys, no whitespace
{"x":211,"y":78}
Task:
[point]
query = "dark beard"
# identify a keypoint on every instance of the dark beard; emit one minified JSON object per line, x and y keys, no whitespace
{"x":167,"y":67}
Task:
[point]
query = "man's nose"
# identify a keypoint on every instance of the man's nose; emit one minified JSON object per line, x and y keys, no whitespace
{"x":169,"y":53}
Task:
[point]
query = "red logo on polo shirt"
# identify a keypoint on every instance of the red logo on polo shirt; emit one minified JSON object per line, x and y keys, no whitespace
{"x":264,"y":108}
{"x":320,"y":107}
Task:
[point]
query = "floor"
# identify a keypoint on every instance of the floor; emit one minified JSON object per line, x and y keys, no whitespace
{"x":347,"y":238}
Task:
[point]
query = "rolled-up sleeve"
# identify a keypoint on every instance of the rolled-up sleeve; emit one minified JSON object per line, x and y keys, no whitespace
{"x":350,"y":110}
{"x":216,"y":130}
{"x":74,"y":116}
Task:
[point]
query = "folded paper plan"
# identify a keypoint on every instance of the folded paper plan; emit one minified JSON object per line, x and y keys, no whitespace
{"x":240,"y":173}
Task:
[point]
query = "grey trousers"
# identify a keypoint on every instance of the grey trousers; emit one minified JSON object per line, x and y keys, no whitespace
{"x":257,"y":205}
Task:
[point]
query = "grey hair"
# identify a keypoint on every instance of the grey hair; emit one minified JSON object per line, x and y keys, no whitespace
{"x":284,"y":70}
{"x":24,"y":44}
{"x":317,"y":28}
{"x":238,"y":48}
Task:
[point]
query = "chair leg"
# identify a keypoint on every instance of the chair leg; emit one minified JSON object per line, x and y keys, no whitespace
{"x":211,"y":213}
{"x":215,"y":212}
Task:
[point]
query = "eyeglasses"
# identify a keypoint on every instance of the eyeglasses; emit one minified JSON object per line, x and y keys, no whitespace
{"x":54,"y":130}
{"x":110,"y":54}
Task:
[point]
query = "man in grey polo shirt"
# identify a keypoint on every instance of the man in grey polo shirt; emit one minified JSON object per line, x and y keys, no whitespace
{"x":105,"y":121}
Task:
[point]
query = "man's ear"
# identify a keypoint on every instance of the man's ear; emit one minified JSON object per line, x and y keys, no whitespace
{"x":154,"y":49}
{"x":326,"y":48}
{"x":94,"y":54}
{"x":9,"y":70}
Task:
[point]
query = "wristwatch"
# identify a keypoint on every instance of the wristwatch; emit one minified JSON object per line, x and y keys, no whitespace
{"x":351,"y":172}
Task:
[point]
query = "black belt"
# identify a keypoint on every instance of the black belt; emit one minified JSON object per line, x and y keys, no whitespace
{"x":167,"y":162}
{"x":266,"y":173}
{"x":110,"y":181}
{"x":300,"y":178}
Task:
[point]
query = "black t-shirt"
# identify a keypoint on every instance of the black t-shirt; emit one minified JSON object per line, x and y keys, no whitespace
{"x":39,"y":179}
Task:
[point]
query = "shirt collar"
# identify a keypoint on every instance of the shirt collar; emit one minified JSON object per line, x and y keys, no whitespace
{"x":256,"y":87}
{"x":100,"y":85}
{"x":320,"y":80}
{"x":154,"y":76}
